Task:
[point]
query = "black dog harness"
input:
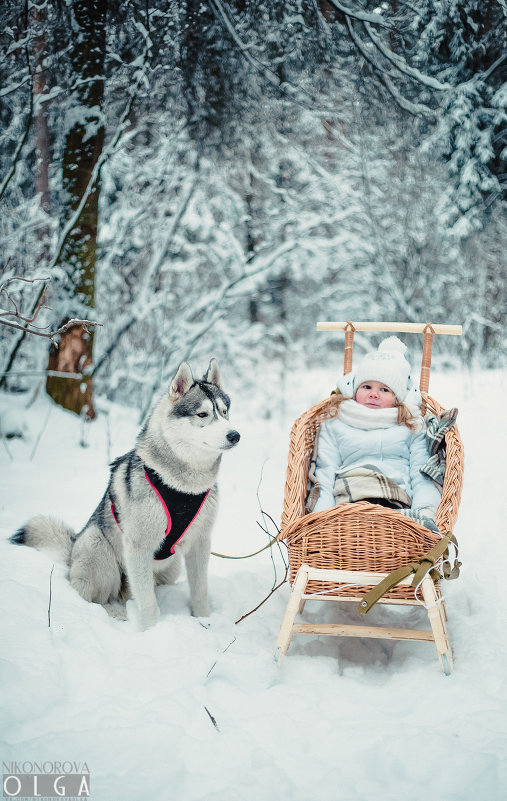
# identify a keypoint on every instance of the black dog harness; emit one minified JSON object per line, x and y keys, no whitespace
{"x":181,"y":509}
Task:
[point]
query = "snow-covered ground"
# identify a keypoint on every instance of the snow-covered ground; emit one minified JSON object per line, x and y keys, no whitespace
{"x":193,"y":713}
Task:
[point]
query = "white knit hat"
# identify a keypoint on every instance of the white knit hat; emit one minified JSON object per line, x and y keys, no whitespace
{"x":387,"y":365}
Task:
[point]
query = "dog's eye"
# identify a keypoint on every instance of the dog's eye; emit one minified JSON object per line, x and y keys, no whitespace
{"x":202,"y":414}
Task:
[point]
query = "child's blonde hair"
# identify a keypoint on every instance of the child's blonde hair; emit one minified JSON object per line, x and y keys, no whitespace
{"x":405,"y":416}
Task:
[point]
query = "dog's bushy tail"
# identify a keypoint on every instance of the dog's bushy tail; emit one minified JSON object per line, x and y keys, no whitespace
{"x":46,"y":534}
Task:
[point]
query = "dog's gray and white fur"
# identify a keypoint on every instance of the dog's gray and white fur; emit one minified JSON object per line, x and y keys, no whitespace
{"x":182,"y":441}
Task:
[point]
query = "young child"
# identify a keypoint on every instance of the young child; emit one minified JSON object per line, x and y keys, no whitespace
{"x":374,"y":448}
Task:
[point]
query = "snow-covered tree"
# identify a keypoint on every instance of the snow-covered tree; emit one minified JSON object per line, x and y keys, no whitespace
{"x":463,"y":44}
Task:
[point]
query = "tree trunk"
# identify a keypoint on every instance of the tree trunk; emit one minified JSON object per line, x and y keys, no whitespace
{"x":83,"y":146}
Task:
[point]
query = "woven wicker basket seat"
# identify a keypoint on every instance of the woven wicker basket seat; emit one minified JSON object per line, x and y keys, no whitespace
{"x":357,"y":536}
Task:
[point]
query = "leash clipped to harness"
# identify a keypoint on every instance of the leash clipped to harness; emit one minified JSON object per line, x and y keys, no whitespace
{"x":420,"y":567}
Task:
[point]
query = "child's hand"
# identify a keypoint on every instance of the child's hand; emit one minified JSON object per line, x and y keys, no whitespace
{"x":427,"y":511}
{"x":425,"y":515}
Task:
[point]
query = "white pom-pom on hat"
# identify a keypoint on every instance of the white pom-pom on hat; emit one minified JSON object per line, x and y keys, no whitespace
{"x":394,"y":344}
{"x":388,"y":365}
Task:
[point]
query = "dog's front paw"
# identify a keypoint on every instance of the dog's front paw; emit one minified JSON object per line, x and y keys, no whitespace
{"x":148,"y":617}
{"x":200,"y":609}
{"x":116,"y":609}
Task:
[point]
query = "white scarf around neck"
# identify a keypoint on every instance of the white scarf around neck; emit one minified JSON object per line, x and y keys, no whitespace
{"x":358,"y":416}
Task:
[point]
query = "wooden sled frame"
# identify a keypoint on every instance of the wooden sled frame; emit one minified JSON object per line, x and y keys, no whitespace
{"x":326,"y":556}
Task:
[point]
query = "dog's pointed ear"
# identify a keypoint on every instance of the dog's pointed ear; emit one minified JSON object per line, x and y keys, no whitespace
{"x":212,"y":374}
{"x":181,"y":382}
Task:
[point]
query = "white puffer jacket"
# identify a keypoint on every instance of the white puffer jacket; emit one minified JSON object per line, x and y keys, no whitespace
{"x":359,"y":437}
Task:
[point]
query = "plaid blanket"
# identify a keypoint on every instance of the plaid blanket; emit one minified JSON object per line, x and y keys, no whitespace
{"x":366,"y":483}
{"x":437,"y":427}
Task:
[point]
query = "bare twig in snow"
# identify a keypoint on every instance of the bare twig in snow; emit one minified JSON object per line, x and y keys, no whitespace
{"x":50,"y":596}
{"x":266,"y":598}
{"x":216,"y":660}
{"x":215,"y":724}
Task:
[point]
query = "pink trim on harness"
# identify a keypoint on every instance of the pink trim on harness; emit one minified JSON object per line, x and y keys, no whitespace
{"x":166,"y":510}
{"x":115,"y":518}
{"x":169,"y":521}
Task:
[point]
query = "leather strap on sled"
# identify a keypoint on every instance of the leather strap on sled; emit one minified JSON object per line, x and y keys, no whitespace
{"x":419,"y":568}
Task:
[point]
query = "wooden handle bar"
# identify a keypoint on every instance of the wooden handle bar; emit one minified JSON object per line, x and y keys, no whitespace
{"x":407,"y":328}
{"x":428,"y":329}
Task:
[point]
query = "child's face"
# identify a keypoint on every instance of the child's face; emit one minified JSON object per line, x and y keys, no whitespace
{"x":375,"y":395}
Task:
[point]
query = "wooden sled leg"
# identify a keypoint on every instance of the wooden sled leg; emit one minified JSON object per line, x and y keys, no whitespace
{"x":437,"y":621}
{"x":291,"y":611}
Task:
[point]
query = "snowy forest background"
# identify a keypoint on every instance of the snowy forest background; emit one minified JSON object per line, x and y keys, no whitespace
{"x":210,"y":177}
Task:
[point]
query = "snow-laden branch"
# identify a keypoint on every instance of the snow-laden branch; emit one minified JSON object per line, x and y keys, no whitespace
{"x":6,"y":181}
{"x":416,"y":109}
{"x":221,"y":14}
{"x":367,"y":20}
{"x":363,"y":16}
{"x":402,"y":65}
{"x":287,"y":88}
{"x":493,"y":67}
{"x":379,"y":69}
{"x":214,"y":310}
{"x":145,"y":300}
{"x":13,"y":87}
{"x":7,"y":317}
{"x":22,"y":141}
{"x":39,"y":332}
{"x":158,"y":258}
{"x":473,"y":317}
{"x":104,"y":156}
{"x":393,"y":284}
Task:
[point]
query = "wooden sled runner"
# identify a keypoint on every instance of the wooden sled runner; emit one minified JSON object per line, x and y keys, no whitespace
{"x":342,"y":553}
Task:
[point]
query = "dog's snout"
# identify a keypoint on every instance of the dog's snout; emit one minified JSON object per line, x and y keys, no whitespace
{"x":233,"y":437}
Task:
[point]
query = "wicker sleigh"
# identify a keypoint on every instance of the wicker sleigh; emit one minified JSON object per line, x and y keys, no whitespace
{"x":341,"y":553}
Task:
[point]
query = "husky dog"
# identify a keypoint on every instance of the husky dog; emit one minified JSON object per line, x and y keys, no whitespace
{"x":159,"y":506}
